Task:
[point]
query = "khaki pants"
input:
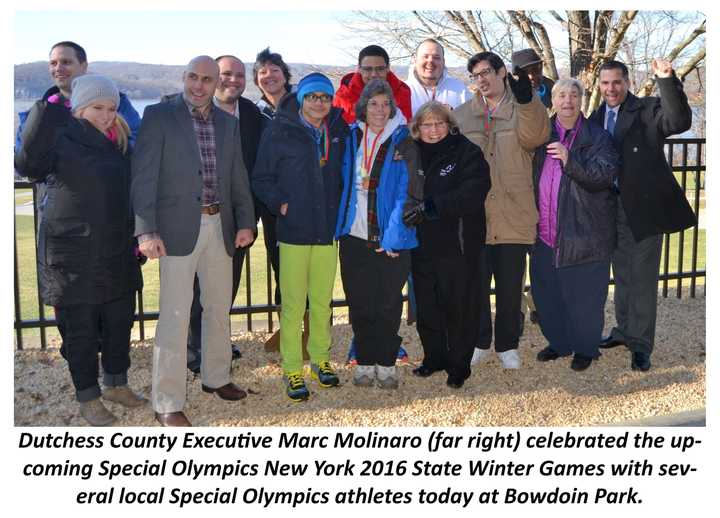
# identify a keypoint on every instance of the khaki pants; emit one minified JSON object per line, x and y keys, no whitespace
{"x":213,"y":266}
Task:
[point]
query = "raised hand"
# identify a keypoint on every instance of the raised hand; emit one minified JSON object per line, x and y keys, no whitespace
{"x":521,"y":87}
{"x":662,"y":67}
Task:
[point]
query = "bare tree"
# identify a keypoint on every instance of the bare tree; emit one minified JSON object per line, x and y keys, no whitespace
{"x":594,"y":37}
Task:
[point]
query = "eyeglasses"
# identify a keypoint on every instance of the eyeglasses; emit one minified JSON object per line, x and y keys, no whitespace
{"x":324,"y":98}
{"x":483,"y":73}
{"x":432,"y":125}
{"x":370,"y":70}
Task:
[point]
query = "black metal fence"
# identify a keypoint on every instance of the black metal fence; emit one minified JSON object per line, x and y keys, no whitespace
{"x":687,"y":156}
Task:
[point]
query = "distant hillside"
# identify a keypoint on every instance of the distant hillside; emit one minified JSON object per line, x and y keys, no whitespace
{"x":145,"y":81}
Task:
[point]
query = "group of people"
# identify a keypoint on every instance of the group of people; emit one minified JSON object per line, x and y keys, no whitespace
{"x":426,"y":181}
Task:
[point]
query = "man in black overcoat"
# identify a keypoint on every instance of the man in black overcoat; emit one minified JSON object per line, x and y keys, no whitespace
{"x":651,"y":203}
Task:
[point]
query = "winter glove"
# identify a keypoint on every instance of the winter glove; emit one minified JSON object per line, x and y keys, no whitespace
{"x":425,"y":210}
{"x":521,"y":87}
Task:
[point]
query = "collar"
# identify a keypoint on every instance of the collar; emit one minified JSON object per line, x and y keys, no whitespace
{"x":236,"y":110}
{"x":204,"y":111}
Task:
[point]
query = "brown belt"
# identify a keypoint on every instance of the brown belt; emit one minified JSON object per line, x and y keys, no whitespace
{"x":210,"y":209}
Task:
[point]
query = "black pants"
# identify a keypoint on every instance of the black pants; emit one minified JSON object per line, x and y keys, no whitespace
{"x":447,"y":291}
{"x":506,"y":263}
{"x":636,"y":266}
{"x":570,"y":302}
{"x":269,"y":224}
{"x":373,"y":285}
{"x":89,"y":329}
{"x":195,"y":328}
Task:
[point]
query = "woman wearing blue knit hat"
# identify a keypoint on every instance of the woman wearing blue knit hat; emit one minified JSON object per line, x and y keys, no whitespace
{"x":297,"y":176}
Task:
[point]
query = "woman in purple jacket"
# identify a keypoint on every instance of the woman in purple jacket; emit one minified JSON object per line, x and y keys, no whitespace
{"x":573,"y":176}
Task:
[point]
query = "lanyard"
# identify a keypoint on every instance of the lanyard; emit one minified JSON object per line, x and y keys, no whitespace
{"x":489,"y":121}
{"x":324,"y":144}
{"x":368,"y":159}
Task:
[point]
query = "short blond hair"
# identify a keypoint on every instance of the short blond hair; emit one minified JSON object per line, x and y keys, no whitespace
{"x":437,"y":109}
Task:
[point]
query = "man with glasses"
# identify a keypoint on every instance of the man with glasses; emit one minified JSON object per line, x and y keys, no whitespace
{"x":373,"y":63}
{"x":429,"y":81}
{"x":298,"y":177}
{"x":508,"y":121}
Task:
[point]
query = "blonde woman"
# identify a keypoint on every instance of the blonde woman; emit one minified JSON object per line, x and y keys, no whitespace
{"x":86,"y":263}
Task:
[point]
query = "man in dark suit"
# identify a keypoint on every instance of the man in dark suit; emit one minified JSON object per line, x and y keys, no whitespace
{"x":228,"y":97}
{"x":193,"y":208}
{"x":651,"y":201}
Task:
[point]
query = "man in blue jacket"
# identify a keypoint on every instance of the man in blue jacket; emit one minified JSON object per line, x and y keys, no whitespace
{"x":67,"y":61}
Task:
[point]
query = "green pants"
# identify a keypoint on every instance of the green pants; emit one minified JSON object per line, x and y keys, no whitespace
{"x":306,"y":272}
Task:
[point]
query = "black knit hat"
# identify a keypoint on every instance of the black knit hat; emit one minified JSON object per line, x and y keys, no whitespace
{"x":524,"y":58}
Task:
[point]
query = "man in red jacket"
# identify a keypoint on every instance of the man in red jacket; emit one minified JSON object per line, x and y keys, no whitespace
{"x":373,"y":63}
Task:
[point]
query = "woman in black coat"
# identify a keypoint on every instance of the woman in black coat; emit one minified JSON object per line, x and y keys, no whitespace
{"x":86,"y":263}
{"x":570,"y":262}
{"x":449,"y":193}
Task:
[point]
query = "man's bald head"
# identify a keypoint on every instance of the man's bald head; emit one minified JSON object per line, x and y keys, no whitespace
{"x":199,"y":80}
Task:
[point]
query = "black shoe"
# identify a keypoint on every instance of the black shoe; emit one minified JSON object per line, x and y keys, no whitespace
{"x":580,"y":362}
{"x":547,"y":355}
{"x":609,"y":342}
{"x":640,"y":361}
{"x":455,"y":382}
{"x":424,"y":371}
{"x":236,"y":354}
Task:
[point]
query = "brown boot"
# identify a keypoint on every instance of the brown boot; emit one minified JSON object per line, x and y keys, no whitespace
{"x":96,"y":414}
{"x":272,"y":344}
{"x":124,"y":396}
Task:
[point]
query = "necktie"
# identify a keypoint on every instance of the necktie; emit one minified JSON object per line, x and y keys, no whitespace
{"x":611,"y":122}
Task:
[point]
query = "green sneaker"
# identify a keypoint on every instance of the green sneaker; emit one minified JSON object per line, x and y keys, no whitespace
{"x":295,"y":387}
{"x":324,"y":374}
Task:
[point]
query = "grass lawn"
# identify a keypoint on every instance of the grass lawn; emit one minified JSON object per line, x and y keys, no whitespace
{"x":258,"y":276}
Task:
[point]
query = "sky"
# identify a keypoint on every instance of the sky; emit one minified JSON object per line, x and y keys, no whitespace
{"x":173,"y":37}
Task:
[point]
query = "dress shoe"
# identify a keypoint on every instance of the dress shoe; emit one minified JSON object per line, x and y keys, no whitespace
{"x":581,"y":362}
{"x":272,"y":344}
{"x":455,"y":382}
{"x":172,"y":419}
{"x":547,"y":355}
{"x":424,"y":371}
{"x":229,"y":392}
{"x":236,"y":354}
{"x":609,"y":342}
{"x":640,"y":361}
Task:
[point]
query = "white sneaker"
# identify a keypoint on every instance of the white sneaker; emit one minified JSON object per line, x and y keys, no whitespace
{"x":510,"y":359}
{"x":479,"y":356}
{"x":387,"y":377}
{"x":364,"y":375}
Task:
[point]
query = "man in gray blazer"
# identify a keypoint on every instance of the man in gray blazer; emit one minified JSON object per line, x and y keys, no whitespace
{"x":193,"y":207}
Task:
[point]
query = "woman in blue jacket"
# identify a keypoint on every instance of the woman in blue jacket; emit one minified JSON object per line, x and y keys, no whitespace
{"x":374,"y":241}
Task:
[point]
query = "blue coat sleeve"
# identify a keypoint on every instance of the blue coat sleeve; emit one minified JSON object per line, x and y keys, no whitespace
{"x":346,"y":178}
{"x":397,"y":236}
{"x":131,"y":117}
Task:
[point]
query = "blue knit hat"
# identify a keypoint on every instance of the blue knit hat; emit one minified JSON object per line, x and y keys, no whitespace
{"x":315,"y":82}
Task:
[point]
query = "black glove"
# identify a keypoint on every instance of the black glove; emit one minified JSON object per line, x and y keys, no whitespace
{"x":425,"y":210}
{"x":522,"y":87}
